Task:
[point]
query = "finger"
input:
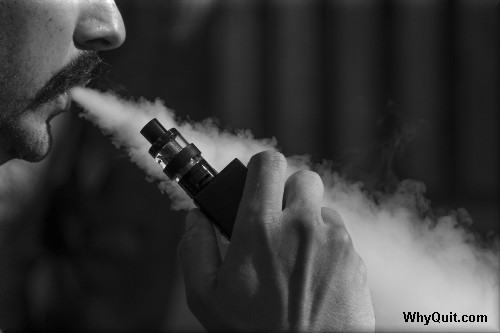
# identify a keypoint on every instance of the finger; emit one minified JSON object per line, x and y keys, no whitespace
{"x":223,"y":243}
{"x":304,"y":191}
{"x":199,"y":256}
{"x":332,"y":217}
{"x":264,"y":186}
{"x":338,"y":234}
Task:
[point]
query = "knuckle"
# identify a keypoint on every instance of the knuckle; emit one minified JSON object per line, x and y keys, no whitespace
{"x":254,"y":213}
{"x":355,"y":270}
{"x":304,"y":222}
{"x":268,"y":226}
{"x":362,"y":272}
{"x":269,"y":158}
{"x":254,"y":216}
{"x":340,"y":238}
{"x":332,"y":217}
{"x":306,"y":177}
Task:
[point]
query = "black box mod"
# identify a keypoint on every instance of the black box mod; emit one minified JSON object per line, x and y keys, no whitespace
{"x":218,"y":195}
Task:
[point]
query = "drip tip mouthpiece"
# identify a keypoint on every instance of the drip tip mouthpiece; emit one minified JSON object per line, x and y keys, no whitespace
{"x":153,"y":131}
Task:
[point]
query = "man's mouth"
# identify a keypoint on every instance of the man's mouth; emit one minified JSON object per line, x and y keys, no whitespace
{"x":61,"y":103}
{"x":64,"y":101}
{"x":79,"y":72}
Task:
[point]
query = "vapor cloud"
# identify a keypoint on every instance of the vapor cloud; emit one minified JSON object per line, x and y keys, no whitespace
{"x":415,"y":264}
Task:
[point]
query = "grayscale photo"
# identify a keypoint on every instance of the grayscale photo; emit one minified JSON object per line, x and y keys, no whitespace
{"x":249,"y":165}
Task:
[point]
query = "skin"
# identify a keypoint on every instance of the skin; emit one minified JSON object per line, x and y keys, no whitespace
{"x":290,"y":266}
{"x":38,"y":38}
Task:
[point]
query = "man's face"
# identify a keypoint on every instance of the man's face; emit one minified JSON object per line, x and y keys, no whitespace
{"x":47,"y":46}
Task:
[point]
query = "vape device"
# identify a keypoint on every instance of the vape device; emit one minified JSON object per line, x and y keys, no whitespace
{"x":218,"y":195}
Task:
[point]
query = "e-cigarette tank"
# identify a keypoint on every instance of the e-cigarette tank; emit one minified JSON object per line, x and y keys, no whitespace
{"x":217,"y":194}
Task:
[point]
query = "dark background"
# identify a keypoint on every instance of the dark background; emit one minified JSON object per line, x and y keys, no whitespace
{"x":387,"y":90}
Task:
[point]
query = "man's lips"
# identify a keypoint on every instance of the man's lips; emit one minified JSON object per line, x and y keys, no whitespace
{"x":65,"y":101}
{"x":62,"y":102}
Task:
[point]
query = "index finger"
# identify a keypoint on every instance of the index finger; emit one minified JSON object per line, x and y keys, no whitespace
{"x":264,"y":186}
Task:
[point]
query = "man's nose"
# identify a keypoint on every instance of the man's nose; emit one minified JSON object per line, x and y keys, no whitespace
{"x":100,"y":26}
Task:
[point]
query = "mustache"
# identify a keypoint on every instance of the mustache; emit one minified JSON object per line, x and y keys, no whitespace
{"x":86,"y":67}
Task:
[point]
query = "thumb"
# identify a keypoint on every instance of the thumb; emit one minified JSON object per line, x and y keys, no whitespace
{"x":199,"y":255}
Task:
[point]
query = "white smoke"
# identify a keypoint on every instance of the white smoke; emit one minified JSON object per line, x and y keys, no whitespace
{"x":123,"y":120}
{"x":426,"y":265}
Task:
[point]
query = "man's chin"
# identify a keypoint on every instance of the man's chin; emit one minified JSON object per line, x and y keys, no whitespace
{"x":32,"y":142}
{"x":36,"y":156}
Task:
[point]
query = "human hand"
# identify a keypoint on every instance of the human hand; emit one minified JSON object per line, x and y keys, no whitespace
{"x":290,"y":266}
